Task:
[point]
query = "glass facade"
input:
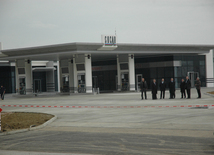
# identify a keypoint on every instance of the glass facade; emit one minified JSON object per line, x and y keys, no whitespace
{"x":7,"y":78}
{"x":155,"y":68}
{"x":190,"y":63}
{"x":105,"y":79}
{"x":105,"y":73}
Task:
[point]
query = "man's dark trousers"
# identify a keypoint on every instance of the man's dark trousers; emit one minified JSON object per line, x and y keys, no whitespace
{"x":188,"y":93}
{"x":199,"y":93}
{"x":2,"y":96}
{"x":183,"y":94}
{"x":143,"y":91}
{"x":162,"y":93}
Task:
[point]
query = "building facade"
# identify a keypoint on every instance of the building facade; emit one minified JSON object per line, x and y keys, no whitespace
{"x":84,"y":67}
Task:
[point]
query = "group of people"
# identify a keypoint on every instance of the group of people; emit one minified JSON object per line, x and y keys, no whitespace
{"x":185,"y":87}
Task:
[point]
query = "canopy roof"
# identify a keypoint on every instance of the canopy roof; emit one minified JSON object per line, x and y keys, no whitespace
{"x":66,"y":51}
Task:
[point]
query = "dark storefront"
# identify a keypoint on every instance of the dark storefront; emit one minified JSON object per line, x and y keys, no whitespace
{"x":150,"y":67}
{"x":7,"y":78}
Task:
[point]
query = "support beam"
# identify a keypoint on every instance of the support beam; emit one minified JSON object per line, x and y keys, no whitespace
{"x":50,"y":82}
{"x":118,"y":75}
{"x":210,"y":69}
{"x":71,"y":75}
{"x":17,"y":77}
{"x":28,"y":77}
{"x":131,"y":72}
{"x":75,"y":74}
{"x":88,"y":73}
{"x":59,"y":76}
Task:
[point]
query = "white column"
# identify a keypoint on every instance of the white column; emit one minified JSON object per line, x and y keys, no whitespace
{"x":71,"y":75}
{"x":88,"y":73}
{"x":118,"y":75}
{"x":17,"y":78}
{"x":75,"y":74}
{"x":59,"y":76}
{"x":28,"y":77}
{"x":50,"y":82}
{"x":131,"y":72}
{"x":209,"y":68}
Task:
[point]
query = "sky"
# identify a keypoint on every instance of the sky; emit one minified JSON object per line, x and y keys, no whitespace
{"x":29,"y":23}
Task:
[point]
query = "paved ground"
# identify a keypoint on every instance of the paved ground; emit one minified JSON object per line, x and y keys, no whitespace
{"x":115,"y":130}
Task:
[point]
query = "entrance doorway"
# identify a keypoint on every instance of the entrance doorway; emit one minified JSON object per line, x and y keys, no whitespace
{"x":125,"y":81}
{"x":81,"y":83}
{"x":138,"y":81}
{"x":192,"y":77}
{"x":37,"y":86}
{"x":95,"y":81}
{"x":65,"y":82}
{"x":22,"y":89}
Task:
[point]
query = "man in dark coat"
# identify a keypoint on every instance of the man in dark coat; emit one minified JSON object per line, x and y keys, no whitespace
{"x":143,"y":88}
{"x":162,"y":88}
{"x":188,"y":86}
{"x":198,"y":87}
{"x":154,"y":89}
{"x":172,"y":88}
{"x":2,"y":92}
{"x":182,"y":87}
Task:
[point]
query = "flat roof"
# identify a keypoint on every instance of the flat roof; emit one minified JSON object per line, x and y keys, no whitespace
{"x":67,"y":50}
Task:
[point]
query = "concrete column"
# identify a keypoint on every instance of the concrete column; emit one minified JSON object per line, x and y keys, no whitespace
{"x":71,"y":75}
{"x":75,"y":74}
{"x":88,"y":73}
{"x":131,"y":72}
{"x":17,"y":77}
{"x":209,"y":68}
{"x":118,"y":75}
{"x":50,"y":82}
{"x":28,"y":77}
{"x":59,"y":76}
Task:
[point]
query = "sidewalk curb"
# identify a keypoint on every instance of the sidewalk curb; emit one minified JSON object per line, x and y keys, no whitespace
{"x":31,"y":128}
{"x":209,"y":94}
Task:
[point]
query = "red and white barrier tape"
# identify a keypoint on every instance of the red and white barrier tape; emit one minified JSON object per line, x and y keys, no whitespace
{"x":45,"y":106}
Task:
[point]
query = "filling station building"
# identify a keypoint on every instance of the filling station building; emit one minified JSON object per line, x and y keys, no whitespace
{"x":110,"y":66}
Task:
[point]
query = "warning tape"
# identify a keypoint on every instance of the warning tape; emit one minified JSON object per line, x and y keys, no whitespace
{"x":43,"y":106}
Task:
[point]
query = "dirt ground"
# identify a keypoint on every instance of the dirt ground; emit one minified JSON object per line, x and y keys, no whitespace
{"x":212,"y":92}
{"x":21,"y":120}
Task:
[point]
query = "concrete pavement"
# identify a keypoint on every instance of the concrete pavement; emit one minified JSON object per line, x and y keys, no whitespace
{"x":117,"y":130}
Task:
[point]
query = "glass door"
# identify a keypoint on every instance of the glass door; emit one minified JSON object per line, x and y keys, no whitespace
{"x":192,"y":77}
{"x":138,"y":81}
{"x":22,"y":89}
{"x":37,"y":86}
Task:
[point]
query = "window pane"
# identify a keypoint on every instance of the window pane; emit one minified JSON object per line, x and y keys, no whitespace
{"x":184,"y":71}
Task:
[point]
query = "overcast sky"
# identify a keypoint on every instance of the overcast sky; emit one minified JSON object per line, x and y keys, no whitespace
{"x":26,"y":23}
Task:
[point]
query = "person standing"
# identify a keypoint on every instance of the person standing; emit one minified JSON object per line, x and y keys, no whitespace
{"x":182,"y":87}
{"x":198,"y":87}
{"x":2,"y":92}
{"x":162,"y":88}
{"x":143,"y":88}
{"x":154,"y":89}
{"x":188,"y":87}
{"x":172,"y":88}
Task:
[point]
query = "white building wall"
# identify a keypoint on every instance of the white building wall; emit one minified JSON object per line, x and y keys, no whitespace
{"x":28,"y":77}
{"x":209,"y":68}
{"x":50,"y":82}
{"x":71,"y":75}
{"x":75,"y":74}
{"x":17,"y":77}
{"x":88,"y":73}
{"x":131,"y":73}
{"x":59,"y":76}
{"x":118,"y":75}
